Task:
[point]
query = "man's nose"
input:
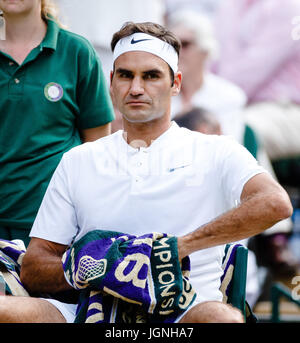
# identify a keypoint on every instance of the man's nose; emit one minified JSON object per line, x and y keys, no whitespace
{"x":137,"y":86}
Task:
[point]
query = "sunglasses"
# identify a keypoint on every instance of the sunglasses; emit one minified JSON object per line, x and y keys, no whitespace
{"x":187,"y":43}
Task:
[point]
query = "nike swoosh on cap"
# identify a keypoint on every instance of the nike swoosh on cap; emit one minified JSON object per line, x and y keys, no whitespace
{"x":138,"y":40}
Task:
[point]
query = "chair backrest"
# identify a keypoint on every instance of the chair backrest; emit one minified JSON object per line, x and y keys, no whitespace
{"x":233,"y":281}
{"x":250,"y":141}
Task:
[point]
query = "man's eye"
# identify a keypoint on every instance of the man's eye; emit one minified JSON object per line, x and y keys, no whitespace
{"x":125,"y":75}
{"x":151,"y":76}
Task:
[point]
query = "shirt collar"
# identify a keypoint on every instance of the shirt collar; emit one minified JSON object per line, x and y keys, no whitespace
{"x":50,"y":40}
{"x":158,"y":143}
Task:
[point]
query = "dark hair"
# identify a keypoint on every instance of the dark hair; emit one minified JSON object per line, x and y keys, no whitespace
{"x":195,"y":117}
{"x":152,"y":29}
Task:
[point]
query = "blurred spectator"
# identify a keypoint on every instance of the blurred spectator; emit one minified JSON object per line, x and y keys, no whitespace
{"x":259,"y":54}
{"x":201,"y":88}
{"x":207,"y":7}
{"x":198,"y":119}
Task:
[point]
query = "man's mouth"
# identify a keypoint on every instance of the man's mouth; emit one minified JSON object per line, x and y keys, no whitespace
{"x":137,"y":103}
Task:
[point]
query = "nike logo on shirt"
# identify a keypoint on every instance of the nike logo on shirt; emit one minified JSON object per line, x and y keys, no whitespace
{"x":180,"y":167}
{"x":137,"y":41}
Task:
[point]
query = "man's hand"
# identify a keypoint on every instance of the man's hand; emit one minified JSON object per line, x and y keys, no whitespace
{"x":182,"y":248}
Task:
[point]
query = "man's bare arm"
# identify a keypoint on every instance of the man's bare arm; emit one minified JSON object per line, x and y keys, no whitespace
{"x":263,"y":203}
{"x":42,"y":269}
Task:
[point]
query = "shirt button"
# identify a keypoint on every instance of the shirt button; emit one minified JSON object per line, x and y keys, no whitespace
{"x":17,"y":81}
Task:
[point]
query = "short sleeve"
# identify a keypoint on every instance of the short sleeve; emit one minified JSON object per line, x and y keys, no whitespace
{"x":237,"y":166}
{"x":56,"y":219}
{"x":95,"y":105}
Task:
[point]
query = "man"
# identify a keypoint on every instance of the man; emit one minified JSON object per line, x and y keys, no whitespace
{"x":151,"y":176}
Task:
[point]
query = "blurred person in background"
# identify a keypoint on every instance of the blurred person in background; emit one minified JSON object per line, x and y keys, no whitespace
{"x":258,"y":53}
{"x":206,"y":7}
{"x":198,"y":119}
{"x":200,"y":87}
{"x":53,"y":96}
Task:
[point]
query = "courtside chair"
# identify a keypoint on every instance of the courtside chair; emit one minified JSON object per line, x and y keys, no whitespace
{"x":233,"y":281}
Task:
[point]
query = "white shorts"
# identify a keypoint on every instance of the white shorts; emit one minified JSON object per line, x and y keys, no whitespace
{"x":69,"y":310}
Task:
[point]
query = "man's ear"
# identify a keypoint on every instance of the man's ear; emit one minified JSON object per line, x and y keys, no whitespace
{"x":111,"y":76}
{"x":110,"y":87}
{"x":177,"y":83}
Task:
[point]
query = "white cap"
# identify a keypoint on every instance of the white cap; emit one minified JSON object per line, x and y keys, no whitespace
{"x":143,"y":42}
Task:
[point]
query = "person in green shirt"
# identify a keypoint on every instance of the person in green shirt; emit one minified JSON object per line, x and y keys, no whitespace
{"x":53,"y":96}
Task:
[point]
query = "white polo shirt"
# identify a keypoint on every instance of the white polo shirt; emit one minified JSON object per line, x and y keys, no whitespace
{"x":183,"y":180}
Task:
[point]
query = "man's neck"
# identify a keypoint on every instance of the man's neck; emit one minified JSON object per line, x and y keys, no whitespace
{"x":143,"y":134}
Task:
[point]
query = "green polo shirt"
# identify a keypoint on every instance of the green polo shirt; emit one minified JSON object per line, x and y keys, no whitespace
{"x":44,"y":103}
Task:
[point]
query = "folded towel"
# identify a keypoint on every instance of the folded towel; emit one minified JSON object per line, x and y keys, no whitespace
{"x":126,"y":278}
{"x":105,"y":256}
{"x":11,"y":256}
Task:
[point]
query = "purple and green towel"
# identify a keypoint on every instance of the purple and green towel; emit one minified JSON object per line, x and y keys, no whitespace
{"x":125,"y":278}
{"x":11,"y":256}
{"x":121,"y":278}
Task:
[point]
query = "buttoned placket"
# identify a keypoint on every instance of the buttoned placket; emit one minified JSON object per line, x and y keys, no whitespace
{"x":139,"y":168}
{"x":142,"y":162}
{"x":15,"y":84}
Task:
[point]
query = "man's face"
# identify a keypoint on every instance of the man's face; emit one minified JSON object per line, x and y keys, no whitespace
{"x":141,"y":86}
{"x":18,"y":6}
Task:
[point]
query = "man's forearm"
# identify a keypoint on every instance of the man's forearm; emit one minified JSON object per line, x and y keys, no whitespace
{"x":42,"y":269}
{"x":253,"y":216}
{"x":48,"y":278}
